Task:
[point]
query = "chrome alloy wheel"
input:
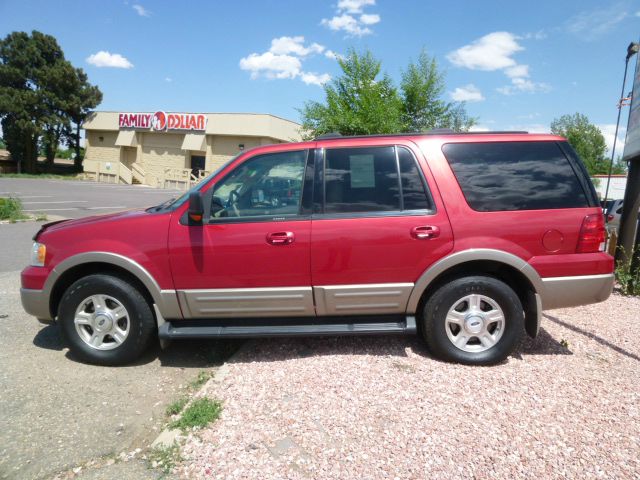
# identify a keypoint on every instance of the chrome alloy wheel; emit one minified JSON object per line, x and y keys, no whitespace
{"x":475,"y":323}
{"x":102,"y":322}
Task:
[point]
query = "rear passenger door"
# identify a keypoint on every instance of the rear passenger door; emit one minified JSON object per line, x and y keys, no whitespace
{"x":377,"y":224}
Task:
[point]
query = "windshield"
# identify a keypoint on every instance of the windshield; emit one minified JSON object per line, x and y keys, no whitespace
{"x":176,"y":202}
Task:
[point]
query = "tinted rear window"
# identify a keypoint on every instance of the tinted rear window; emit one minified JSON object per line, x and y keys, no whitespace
{"x":515,"y":176}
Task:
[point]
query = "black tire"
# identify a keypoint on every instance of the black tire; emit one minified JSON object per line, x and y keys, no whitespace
{"x":140,"y":318}
{"x":436,"y":309}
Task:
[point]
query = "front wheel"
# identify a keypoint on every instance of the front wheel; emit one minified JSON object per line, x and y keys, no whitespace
{"x":105,"y":320}
{"x":473,"y":320}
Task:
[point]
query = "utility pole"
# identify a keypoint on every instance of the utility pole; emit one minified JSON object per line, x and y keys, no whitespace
{"x":628,"y":240}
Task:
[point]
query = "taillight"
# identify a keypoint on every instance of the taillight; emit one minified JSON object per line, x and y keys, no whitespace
{"x":592,"y":234}
{"x":609,"y":217}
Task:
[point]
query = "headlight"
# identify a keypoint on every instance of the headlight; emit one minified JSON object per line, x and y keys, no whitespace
{"x":38,"y":254}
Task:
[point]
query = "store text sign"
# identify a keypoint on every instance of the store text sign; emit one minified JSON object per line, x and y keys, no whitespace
{"x":161,"y":121}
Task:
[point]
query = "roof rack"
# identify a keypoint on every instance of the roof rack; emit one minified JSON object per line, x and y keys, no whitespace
{"x":434,"y":131}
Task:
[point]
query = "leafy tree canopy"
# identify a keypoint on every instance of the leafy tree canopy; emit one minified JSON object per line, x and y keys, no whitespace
{"x":363,"y":101}
{"x":41,"y":95}
{"x":588,"y":142}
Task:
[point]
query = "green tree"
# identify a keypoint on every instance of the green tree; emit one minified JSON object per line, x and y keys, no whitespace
{"x":588,"y":142}
{"x":83,"y":98}
{"x":39,"y":92}
{"x":363,"y":101}
{"x":357,"y":103}
{"x":423,"y":108}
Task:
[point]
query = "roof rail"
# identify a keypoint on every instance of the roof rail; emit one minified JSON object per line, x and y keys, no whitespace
{"x":434,"y":131}
{"x":327,"y":136}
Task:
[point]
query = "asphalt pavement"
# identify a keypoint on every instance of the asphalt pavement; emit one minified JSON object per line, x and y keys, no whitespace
{"x":64,"y":199}
{"x":60,"y":418}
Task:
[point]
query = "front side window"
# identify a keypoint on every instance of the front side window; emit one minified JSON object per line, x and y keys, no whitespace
{"x":265,"y":185}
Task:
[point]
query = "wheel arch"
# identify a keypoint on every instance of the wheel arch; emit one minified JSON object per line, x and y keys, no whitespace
{"x":78,"y":266}
{"x":510,"y":269}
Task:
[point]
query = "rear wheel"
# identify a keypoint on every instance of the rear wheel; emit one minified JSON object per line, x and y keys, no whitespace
{"x":106,"y":320}
{"x":474,"y":320}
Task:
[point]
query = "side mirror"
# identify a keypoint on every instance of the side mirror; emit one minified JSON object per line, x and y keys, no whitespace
{"x":196,"y":208}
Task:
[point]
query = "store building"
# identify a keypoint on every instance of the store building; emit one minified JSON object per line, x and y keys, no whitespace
{"x":167,"y":149}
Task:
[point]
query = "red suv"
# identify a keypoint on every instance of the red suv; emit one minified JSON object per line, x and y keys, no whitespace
{"x":464,"y":238}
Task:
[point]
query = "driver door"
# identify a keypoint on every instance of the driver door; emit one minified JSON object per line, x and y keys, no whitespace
{"x":251,"y":257}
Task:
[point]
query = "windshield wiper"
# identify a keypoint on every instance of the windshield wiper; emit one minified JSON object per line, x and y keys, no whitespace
{"x":163,"y":205}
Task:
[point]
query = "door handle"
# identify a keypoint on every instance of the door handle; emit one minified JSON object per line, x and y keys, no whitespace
{"x":425,"y":232}
{"x":280,"y":238}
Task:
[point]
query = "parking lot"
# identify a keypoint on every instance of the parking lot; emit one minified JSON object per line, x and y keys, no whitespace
{"x":57,"y":414}
{"x":65,"y":199}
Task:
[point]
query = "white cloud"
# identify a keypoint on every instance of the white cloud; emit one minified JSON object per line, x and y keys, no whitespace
{"x":517,"y":71}
{"x":168,"y":79}
{"x":609,"y":133}
{"x":354,"y":6}
{"x":109,"y":60}
{"x":271,"y":65}
{"x":539,"y":35}
{"x":332,"y":55}
{"x":140,"y":10}
{"x":314,"y":79}
{"x":593,"y":24}
{"x":479,"y":128}
{"x":284,"y":60}
{"x":351,"y":19}
{"x":294,"y":45}
{"x":347,"y":23}
{"x":370,"y":18}
{"x":468,"y":93}
{"x":495,"y":51}
{"x":524,"y":85}
{"x":491,"y":52}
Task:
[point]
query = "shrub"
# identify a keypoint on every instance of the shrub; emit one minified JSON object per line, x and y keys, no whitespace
{"x":11,"y":209}
{"x":628,"y":279}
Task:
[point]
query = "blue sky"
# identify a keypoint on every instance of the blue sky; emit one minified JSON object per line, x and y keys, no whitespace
{"x":518,"y":65}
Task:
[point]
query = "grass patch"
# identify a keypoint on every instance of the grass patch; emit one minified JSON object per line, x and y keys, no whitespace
{"x":11,"y":209}
{"x":200,"y":380}
{"x":176,"y":407}
{"x":41,"y":217}
{"x":200,"y":413}
{"x":165,"y":458}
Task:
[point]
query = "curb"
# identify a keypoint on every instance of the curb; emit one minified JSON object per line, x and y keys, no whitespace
{"x":168,"y":437}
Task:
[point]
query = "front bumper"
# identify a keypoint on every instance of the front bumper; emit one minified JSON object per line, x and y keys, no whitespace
{"x":562,"y":292}
{"x":36,"y":303}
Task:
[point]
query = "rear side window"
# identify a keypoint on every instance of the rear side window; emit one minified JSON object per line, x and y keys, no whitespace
{"x":515,"y":176}
{"x":361,"y":180}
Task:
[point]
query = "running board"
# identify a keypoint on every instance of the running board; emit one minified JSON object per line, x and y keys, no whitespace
{"x":241,"y":328}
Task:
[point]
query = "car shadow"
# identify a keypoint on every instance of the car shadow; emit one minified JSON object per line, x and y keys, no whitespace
{"x":592,"y":336}
{"x":182,"y":354}
{"x":211,"y":353}
{"x":543,"y":344}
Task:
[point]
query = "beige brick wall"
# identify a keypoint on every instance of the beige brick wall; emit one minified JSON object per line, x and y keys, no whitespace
{"x":104,"y":150}
{"x":222,"y":148}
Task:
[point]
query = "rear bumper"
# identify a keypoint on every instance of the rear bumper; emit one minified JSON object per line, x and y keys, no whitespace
{"x":36,"y":303}
{"x":561,"y":292}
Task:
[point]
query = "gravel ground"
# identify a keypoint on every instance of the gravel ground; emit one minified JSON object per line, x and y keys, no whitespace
{"x":566,"y":405}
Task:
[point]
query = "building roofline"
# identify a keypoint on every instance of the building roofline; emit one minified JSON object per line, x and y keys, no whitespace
{"x":204,"y":113}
